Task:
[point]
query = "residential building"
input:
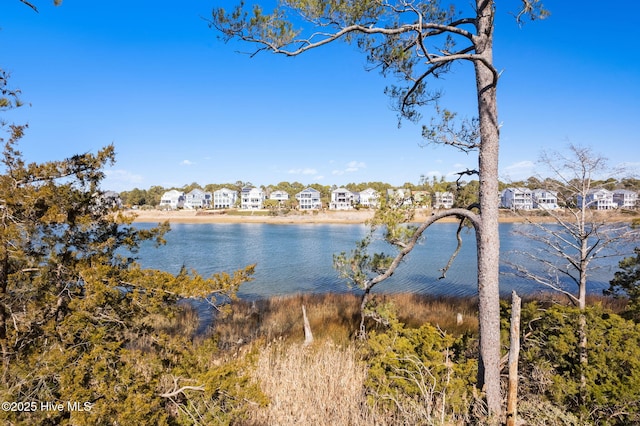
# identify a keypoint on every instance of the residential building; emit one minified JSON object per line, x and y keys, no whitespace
{"x":197,"y":199}
{"x":279,"y":196}
{"x":597,"y":199}
{"x":544,"y":199}
{"x":251,"y":198}
{"x":224,"y":198}
{"x":342,"y":199}
{"x":369,"y":198}
{"x":172,"y":199}
{"x":625,"y":199}
{"x":443,"y":200}
{"x":309,"y":199}
{"x":516,"y":199}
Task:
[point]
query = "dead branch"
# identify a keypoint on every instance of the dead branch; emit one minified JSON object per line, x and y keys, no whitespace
{"x":177,"y":391}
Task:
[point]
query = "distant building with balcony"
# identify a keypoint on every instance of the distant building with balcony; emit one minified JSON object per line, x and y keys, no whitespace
{"x":197,"y":199}
{"x":625,"y":199}
{"x":516,"y":199}
{"x":251,"y":198}
{"x":172,"y":199}
{"x":309,"y":199}
{"x":279,"y":196}
{"x":224,"y":198}
{"x":544,"y":199}
{"x":597,"y":199}
{"x":342,"y":199}
{"x":369,"y":198}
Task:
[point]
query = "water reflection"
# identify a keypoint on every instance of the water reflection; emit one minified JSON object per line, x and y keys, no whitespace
{"x":298,"y":258}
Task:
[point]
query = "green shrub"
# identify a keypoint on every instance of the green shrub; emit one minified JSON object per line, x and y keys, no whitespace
{"x":550,"y":362}
{"x":417,"y":375}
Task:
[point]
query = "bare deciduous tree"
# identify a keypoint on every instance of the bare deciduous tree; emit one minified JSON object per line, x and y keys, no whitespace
{"x":566,"y":250}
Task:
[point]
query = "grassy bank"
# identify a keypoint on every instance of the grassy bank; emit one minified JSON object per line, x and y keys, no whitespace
{"x":329,"y":381}
{"x":335,"y":316}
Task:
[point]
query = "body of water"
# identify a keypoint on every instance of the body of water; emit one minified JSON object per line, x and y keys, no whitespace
{"x":298,"y":258}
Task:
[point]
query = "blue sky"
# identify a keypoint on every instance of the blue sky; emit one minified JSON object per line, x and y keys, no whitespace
{"x":181,"y":106}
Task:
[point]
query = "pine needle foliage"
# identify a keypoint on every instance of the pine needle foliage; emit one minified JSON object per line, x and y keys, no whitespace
{"x":82,"y":326}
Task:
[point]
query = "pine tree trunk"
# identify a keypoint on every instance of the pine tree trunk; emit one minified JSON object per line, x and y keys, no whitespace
{"x":488,"y":238}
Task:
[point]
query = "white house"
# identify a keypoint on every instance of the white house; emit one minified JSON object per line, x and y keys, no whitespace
{"x":173,"y":199}
{"x":197,"y":199}
{"x":443,"y":200}
{"x":342,"y":199}
{"x":544,"y":199}
{"x":309,"y":199}
{"x":369,"y":198}
{"x":598,"y":199}
{"x":224,"y":198}
{"x":516,"y":199}
{"x":279,"y":196}
{"x":625,"y":199}
{"x":251,"y":198}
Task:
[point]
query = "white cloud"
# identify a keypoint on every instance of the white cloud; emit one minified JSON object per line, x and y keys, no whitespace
{"x":186,"y":163}
{"x":305,"y":171}
{"x":356,"y":165}
{"x":351,"y":166}
{"x":518,"y":171}
{"x":118,"y":179}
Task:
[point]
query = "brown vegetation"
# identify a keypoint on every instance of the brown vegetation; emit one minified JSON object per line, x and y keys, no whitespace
{"x":325,"y":383}
{"x":335,"y":317}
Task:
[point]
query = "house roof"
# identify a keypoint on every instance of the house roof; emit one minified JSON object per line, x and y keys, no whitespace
{"x":172,"y":193}
{"x":307,"y":190}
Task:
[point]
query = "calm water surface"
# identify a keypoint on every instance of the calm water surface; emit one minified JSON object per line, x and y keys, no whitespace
{"x":298,"y":258}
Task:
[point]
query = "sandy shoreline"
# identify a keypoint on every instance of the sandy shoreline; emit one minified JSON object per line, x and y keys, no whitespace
{"x":326,"y":217}
{"x":190,"y":216}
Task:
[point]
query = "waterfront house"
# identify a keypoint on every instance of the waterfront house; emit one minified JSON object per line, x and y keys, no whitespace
{"x":625,"y":199}
{"x":443,"y":200}
{"x":197,"y":199}
{"x":516,"y":199}
{"x":309,"y":199}
{"x":172,"y":199}
{"x":279,"y":196}
{"x":251,"y":198}
{"x":544,"y":199}
{"x":342,"y":199}
{"x":224,"y":198}
{"x":369,"y":198}
{"x":597,"y":199}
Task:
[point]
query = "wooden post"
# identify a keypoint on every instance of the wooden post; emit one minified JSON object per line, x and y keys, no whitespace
{"x":514,"y":352}
{"x":308,"y":336}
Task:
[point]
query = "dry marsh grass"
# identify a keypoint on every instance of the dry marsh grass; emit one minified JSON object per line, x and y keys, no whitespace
{"x":336,"y":316}
{"x":322,"y":384}
{"x":325,"y":383}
